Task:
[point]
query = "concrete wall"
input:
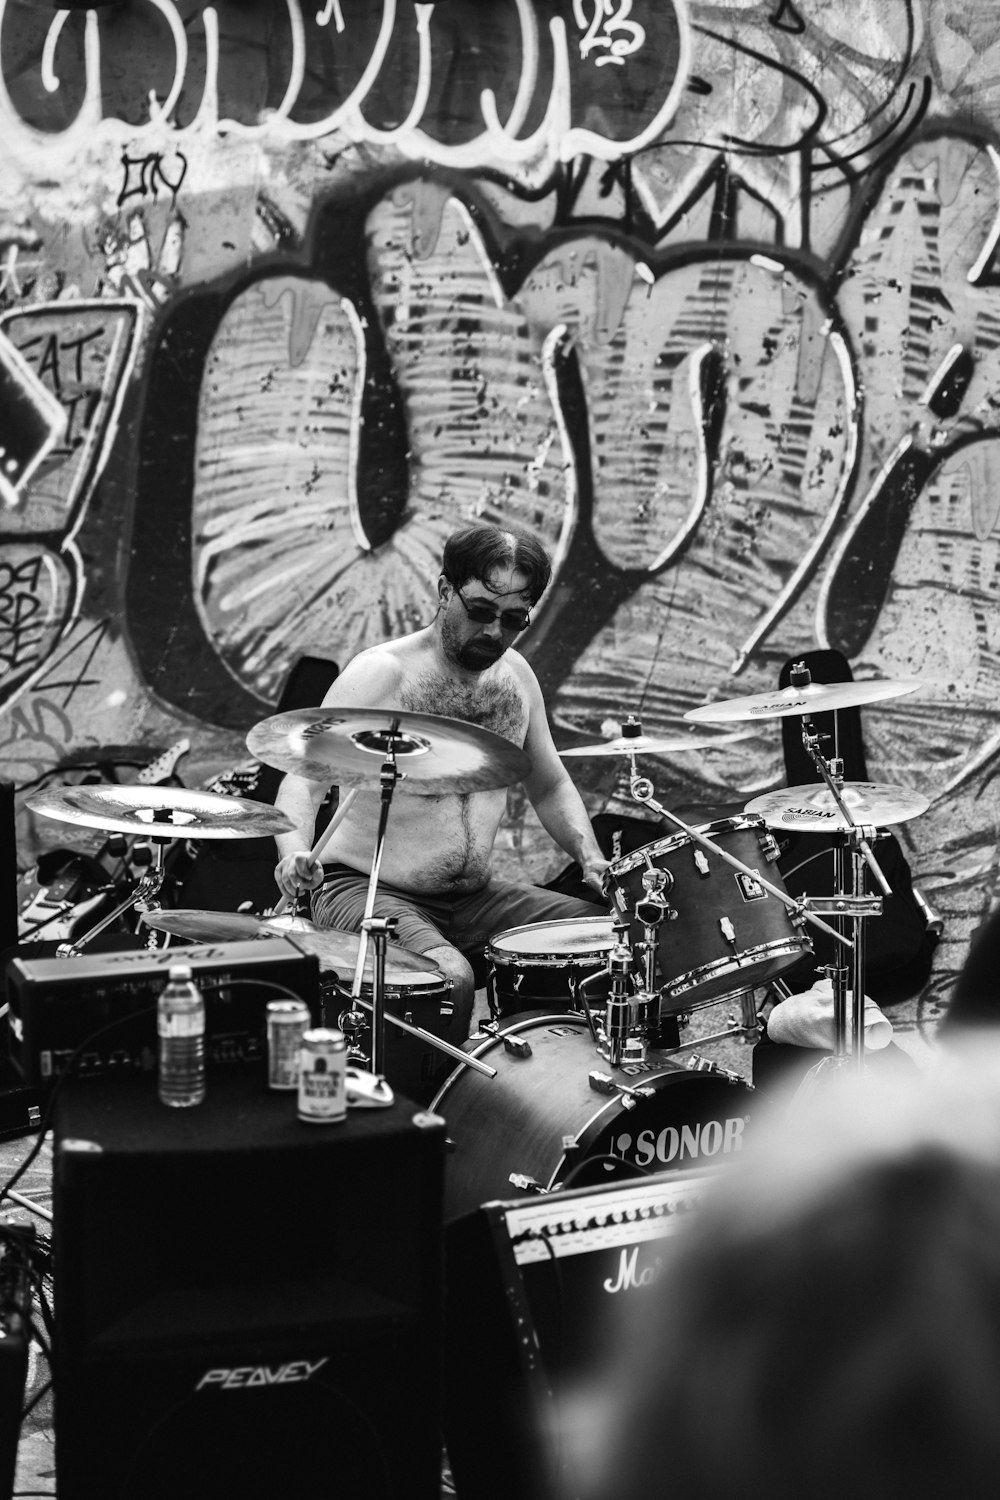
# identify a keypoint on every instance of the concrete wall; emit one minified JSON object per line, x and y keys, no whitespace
{"x":705,"y":294}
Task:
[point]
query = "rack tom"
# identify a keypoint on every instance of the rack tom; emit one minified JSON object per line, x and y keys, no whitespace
{"x":724,"y":933}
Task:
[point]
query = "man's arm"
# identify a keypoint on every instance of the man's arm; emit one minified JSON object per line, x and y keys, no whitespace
{"x":300,"y":799}
{"x":554,"y":797}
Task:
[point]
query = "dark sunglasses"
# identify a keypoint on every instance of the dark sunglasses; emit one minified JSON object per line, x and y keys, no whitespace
{"x":485,"y":614}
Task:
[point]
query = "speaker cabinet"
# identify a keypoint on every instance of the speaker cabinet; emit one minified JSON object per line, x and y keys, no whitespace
{"x":247,"y":1305}
{"x":541,"y":1293}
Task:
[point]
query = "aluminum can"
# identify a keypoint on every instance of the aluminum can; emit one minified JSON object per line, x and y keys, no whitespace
{"x":287,"y":1020}
{"x":322,"y":1069}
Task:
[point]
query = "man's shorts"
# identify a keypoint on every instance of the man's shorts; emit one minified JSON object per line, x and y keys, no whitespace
{"x":466,"y":922}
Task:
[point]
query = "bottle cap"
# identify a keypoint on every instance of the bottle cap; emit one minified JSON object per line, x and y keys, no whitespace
{"x":179,"y":972}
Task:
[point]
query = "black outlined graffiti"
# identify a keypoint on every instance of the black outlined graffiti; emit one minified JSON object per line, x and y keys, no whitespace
{"x":144,"y":176}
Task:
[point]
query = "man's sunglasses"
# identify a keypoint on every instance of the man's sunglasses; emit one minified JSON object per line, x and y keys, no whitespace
{"x":484,"y":614}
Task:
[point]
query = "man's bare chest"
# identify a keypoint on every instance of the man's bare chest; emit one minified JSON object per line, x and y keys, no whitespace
{"x":496,"y":705}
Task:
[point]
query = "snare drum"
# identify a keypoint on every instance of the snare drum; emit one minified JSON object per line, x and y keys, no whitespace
{"x":542,"y":1120}
{"x":729,"y":934}
{"x":543,"y":965}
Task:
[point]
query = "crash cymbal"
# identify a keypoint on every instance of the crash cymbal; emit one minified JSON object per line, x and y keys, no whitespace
{"x":813,"y":698}
{"x":643,"y":744}
{"x":223,"y":926}
{"x":812,"y":808}
{"x":348,"y":746}
{"x":339,"y":951}
{"x":160,"y":811}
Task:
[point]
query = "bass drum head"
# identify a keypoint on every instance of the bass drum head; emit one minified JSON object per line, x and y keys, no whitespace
{"x":542,"y":1122}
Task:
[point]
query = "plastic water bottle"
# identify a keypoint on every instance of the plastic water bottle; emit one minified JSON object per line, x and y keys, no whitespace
{"x":180,"y":1022}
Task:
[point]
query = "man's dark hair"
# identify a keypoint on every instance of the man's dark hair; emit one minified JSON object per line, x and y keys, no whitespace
{"x":474,"y":551}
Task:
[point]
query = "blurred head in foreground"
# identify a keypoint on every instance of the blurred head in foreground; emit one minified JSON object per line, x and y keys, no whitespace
{"x":829,"y":1323}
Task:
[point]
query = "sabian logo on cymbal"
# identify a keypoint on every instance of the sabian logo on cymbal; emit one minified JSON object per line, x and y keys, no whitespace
{"x":769,"y":708}
{"x":807,"y":812}
{"x":319,"y":726}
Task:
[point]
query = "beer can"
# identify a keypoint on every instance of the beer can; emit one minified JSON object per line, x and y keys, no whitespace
{"x":286,"y":1022}
{"x":322,"y":1069}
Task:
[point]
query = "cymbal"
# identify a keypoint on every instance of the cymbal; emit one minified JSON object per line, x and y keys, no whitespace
{"x":335,"y":950}
{"x":643,"y":744}
{"x":348,"y":745}
{"x":339,"y":951}
{"x":812,"y":809}
{"x":813,"y":698}
{"x":223,"y":926}
{"x":160,"y":811}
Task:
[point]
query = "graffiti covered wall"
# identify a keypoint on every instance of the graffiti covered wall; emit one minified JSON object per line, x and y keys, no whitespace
{"x":704,"y":294}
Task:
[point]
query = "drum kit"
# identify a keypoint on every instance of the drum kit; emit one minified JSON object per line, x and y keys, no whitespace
{"x":693,"y":920}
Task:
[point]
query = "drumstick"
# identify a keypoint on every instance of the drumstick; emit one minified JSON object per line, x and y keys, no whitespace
{"x":322,"y":841}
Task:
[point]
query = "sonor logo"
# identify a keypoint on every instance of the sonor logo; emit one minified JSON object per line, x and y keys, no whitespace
{"x":750,"y":889}
{"x":683,"y":1143}
{"x":242,"y":1377}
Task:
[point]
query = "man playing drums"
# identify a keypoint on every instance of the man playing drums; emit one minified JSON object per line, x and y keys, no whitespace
{"x":436,"y":873}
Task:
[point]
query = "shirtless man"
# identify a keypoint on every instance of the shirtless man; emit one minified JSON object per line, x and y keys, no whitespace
{"x":436,"y":875}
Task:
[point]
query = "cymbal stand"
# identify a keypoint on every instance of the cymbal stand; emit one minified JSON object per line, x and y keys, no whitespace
{"x":146,"y":890}
{"x":849,"y":910}
{"x":374,"y":930}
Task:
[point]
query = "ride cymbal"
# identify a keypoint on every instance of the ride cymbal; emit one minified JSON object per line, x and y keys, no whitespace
{"x":435,"y":755}
{"x":160,"y":811}
{"x":812,"y":698}
{"x":812,"y":809}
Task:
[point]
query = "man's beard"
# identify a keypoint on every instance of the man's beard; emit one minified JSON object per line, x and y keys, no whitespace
{"x":473,"y":656}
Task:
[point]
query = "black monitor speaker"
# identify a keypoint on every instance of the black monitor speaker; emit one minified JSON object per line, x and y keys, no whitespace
{"x":248,"y":1305}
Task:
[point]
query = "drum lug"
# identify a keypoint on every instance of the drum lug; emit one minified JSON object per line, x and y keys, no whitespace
{"x":525,"y":1184}
{"x":517,"y":1046}
{"x":701,"y":862}
{"x":603,"y":1083}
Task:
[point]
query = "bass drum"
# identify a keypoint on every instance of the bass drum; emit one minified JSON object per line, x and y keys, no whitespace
{"x":542,"y":1119}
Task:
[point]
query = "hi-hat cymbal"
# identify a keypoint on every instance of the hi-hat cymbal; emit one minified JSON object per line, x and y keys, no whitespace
{"x":160,"y":811}
{"x":812,"y":698}
{"x":348,"y":746}
{"x":223,"y":926}
{"x":812,"y":809}
{"x":643,"y":744}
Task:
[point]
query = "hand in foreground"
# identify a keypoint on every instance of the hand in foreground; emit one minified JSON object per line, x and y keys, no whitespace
{"x":296,"y":873}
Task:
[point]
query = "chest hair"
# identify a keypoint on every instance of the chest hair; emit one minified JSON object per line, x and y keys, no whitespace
{"x":494,"y":705}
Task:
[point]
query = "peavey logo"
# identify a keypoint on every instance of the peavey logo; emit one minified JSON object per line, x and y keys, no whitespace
{"x":242,"y":1377}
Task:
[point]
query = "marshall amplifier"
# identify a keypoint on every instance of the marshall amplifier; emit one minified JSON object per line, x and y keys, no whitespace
{"x":104,"y":1007}
{"x":541,"y":1294}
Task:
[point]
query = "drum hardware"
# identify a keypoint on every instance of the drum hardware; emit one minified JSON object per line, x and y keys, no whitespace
{"x":603,"y":1083}
{"x":455,"y":1053}
{"x":835,"y":804}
